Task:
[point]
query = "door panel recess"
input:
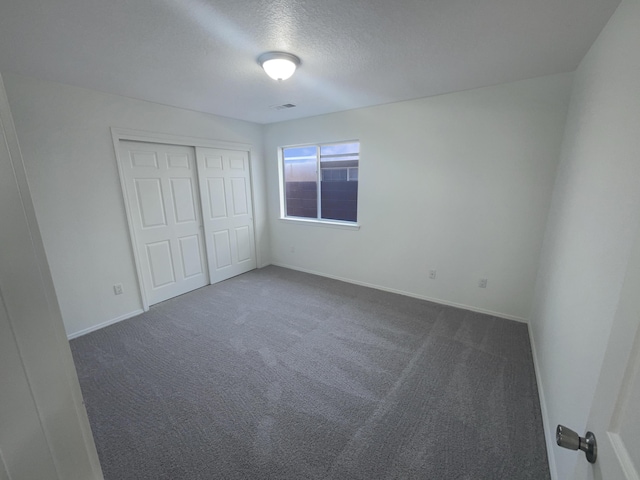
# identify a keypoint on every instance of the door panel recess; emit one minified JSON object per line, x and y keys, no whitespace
{"x":163,"y":198}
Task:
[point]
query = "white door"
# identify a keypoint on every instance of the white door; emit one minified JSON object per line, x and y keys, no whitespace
{"x":44,"y":429}
{"x":163,"y":198}
{"x":615,"y":413}
{"x":225,"y":188}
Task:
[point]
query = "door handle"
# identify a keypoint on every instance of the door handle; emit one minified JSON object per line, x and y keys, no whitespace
{"x":567,"y":438}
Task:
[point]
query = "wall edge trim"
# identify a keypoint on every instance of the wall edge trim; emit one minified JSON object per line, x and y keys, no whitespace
{"x":402,"y":292}
{"x":549,"y":439}
{"x":93,"y":328}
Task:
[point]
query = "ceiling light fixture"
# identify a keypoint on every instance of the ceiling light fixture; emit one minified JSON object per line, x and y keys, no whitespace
{"x":279,"y":65}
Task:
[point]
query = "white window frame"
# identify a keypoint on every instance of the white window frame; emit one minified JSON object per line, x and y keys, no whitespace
{"x":344,"y":224}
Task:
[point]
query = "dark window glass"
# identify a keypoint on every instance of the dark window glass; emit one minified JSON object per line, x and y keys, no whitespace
{"x":321,"y":181}
{"x":301,"y":181}
{"x":334,"y":174}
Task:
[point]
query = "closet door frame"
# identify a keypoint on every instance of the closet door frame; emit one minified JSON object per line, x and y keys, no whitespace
{"x":120,"y":134}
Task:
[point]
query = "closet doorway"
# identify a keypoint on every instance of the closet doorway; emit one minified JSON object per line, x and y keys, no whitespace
{"x":190,"y":214}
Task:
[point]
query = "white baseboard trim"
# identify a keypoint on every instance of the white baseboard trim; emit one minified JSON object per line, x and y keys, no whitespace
{"x":401,"y":292}
{"x":548,"y":429}
{"x":93,"y":328}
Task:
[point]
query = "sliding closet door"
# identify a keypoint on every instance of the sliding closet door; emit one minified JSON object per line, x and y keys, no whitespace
{"x":164,"y":205}
{"x":227,"y":209}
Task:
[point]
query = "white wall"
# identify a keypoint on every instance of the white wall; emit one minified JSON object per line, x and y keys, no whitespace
{"x":460,"y":183}
{"x":594,"y":216}
{"x":71,"y":167}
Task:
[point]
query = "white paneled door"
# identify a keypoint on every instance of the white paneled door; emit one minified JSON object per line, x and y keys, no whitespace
{"x":161,"y":184}
{"x":227,"y":210}
{"x":615,"y":416}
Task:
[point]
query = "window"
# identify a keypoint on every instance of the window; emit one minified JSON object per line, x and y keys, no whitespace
{"x":321,"y":181}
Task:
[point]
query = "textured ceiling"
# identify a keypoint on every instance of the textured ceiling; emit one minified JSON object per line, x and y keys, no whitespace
{"x":201,"y":54}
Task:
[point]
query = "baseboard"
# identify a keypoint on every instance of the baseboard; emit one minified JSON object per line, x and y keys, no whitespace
{"x":401,"y":292}
{"x":93,"y":328}
{"x":548,"y":429}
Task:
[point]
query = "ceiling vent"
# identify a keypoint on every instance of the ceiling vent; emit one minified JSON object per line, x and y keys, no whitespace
{"x":282,"y":107}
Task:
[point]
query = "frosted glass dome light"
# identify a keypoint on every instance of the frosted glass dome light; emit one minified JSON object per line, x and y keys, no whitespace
{"x":279,"y":65}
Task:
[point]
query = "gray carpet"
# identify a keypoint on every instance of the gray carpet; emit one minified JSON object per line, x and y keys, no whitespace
{"x":277,"y":374}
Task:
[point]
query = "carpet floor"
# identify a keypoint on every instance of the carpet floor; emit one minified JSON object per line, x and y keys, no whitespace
{"x":277,"y":374}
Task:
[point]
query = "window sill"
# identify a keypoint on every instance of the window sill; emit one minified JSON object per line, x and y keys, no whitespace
{"x":321,"y":223}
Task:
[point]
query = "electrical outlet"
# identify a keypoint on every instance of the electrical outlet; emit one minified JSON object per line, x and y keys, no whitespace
{"x":117,"y":288}
{"x":432,"y":274}
{"x":482,"y":283}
